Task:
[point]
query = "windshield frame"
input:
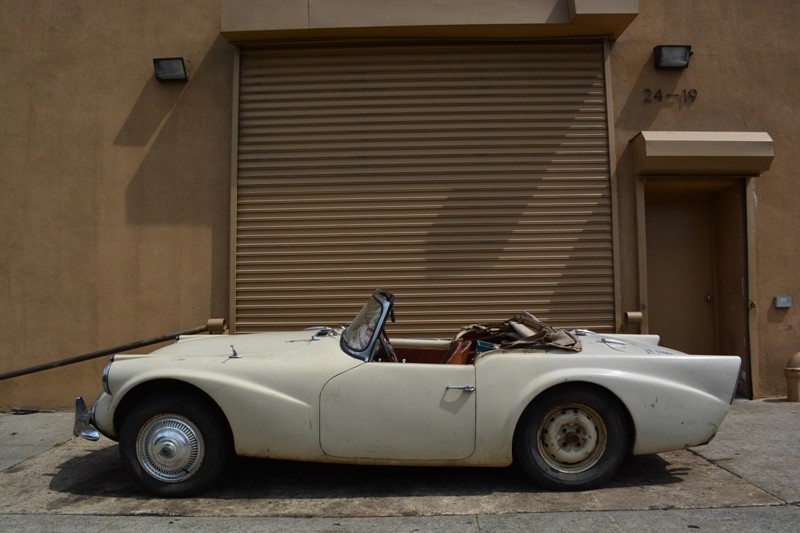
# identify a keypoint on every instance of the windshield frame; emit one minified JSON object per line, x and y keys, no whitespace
{"x":361,"y":336}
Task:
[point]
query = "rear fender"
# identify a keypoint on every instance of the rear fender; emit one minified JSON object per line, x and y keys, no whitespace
{"x":666,"y":414}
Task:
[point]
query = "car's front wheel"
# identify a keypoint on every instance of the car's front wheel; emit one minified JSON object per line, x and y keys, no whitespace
{"x":572,"y":439}
{"x":175,"y":445}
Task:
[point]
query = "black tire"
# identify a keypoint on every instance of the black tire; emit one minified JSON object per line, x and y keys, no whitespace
{"x":572,"y":439}
{"x":175,"y":444}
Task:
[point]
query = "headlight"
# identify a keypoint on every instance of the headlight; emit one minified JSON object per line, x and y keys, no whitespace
{"x":105,"y":378}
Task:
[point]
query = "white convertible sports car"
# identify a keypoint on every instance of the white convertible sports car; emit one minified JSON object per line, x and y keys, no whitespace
{"x":568,"y":406}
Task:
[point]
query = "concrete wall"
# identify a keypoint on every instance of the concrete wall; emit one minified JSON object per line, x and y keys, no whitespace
{"x":113,"y":187}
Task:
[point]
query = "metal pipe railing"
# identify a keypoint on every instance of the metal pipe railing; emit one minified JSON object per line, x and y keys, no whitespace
{"x":214,"y":325}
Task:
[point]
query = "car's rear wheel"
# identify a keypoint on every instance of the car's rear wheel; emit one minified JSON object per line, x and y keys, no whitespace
{"x":572,"y":439}
{"x":174,"y":445}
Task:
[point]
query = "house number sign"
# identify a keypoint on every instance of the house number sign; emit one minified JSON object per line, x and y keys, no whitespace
{"x":685,"y":96}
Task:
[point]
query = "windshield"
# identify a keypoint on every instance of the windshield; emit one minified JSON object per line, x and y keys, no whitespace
{"x":360,"y":336}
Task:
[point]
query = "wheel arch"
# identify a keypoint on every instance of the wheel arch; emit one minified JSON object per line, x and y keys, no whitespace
{"x":173,"y":386}
{"x":589,"y":387}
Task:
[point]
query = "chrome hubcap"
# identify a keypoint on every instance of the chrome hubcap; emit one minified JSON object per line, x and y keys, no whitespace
{"x":572,"y":438}
{"x":170,"y":448}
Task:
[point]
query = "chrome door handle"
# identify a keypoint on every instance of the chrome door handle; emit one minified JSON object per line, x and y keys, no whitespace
{"x":465,"y":388}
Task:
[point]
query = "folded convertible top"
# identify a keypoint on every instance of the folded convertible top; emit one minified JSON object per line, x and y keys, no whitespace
{"x":522,"y":331}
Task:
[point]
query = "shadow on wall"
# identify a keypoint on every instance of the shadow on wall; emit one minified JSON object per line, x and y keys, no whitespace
{"x":183,"y":178}
{"x":155,"y":103}
{"x":652,"y":92}
{"x":182,"y":132}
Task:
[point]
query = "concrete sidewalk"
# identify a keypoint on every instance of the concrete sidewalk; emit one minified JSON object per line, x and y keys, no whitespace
{"x":759,"y":441}
{"x":23,"y":436}
{"x":747,"y":479}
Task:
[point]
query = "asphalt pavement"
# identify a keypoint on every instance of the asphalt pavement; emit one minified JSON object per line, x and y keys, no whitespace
{"x":746,"y":479}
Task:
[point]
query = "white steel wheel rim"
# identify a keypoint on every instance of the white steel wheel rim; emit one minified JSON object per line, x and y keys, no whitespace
{"x":170,"y":448}
{"x":572,"y":438}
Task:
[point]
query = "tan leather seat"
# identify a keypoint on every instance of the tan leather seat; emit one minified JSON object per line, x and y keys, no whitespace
{"x":459,"y":353}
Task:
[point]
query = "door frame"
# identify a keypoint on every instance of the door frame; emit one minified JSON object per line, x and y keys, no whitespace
{"x":684,"y":155}
{"x":750,"y":260}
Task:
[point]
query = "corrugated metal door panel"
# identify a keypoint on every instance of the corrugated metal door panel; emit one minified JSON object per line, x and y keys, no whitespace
{"x":470,"y":179}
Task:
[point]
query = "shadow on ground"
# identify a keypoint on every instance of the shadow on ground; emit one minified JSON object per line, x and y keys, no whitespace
{"x":101,"y":473}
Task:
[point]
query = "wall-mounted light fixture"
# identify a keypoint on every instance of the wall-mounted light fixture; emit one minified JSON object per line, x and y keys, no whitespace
{"x":672,"y":56}
{"x":171,"y":68}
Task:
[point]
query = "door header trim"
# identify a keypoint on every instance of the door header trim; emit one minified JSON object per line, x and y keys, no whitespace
{"x":703,"y":153}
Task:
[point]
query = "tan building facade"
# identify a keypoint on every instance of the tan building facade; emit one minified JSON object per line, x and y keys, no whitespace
{"x":477,"y":158}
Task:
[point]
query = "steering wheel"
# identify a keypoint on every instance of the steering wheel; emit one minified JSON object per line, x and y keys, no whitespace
{"x":386,"y":347}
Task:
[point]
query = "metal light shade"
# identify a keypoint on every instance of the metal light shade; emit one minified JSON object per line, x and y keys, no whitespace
{"x":672,"y":56}
{"x":171,"y":68}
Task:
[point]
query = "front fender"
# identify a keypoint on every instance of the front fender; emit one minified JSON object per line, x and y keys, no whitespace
{"x":270,"y":408}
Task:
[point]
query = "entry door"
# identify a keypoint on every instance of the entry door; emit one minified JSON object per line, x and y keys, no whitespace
{"x":680,"y":275}
{"x":399,"y":411}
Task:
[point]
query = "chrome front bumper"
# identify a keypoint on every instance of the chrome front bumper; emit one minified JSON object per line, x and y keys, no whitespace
{"x":83,"y":421}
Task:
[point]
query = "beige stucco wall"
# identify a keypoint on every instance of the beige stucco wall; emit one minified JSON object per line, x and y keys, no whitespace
{"x":113,"y":187}
{"x":745,"y":70}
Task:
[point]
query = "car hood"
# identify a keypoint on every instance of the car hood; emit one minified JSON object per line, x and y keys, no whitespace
{"x":279,"y":343}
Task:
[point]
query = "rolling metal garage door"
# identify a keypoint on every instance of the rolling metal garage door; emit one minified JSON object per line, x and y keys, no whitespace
{"x":472,"y":180}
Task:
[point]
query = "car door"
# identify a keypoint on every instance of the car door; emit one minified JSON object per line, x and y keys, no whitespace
{"x":399,"y":411}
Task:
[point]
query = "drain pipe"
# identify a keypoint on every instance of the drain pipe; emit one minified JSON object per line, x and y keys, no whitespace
{"x":214,"y":326}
